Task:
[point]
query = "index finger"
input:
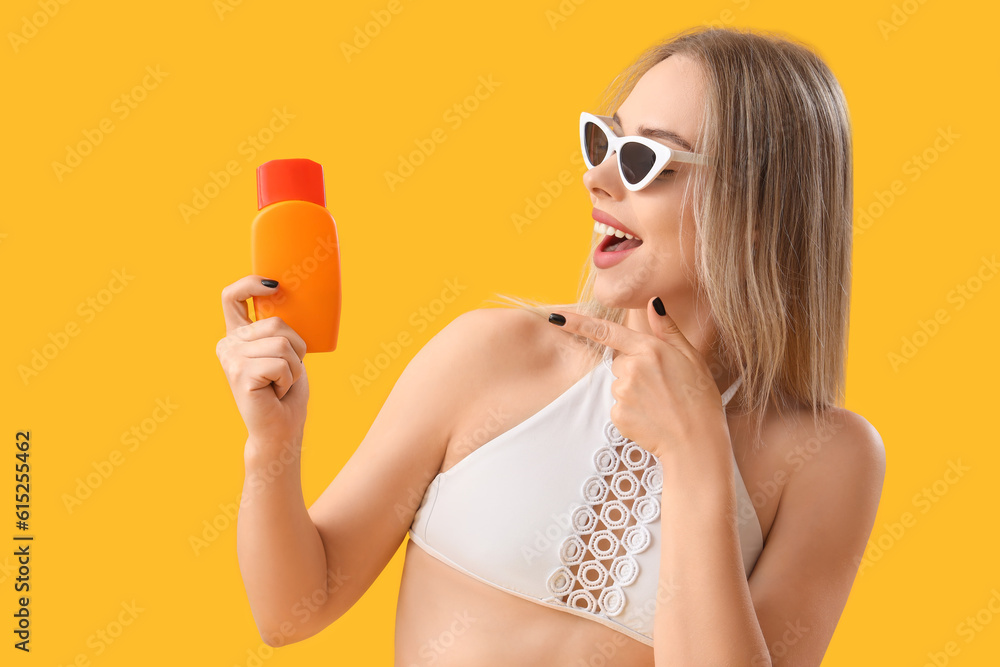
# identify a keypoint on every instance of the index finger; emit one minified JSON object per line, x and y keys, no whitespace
{"x":234,"y":299}
{"x":608,"y":333}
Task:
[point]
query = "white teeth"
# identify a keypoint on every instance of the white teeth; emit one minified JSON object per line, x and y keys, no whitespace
{"x":607,"y":230}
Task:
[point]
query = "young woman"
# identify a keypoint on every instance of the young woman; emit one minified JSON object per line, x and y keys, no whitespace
{"x":657,"y":474}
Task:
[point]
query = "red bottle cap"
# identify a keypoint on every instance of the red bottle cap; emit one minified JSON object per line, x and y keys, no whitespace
{"x":284,"y":180}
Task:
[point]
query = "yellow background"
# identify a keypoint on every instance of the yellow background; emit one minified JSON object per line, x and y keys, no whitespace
{"x":62,"y":237}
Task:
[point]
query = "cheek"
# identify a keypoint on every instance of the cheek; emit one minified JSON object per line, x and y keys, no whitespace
{"x":661,"y":224}
{"x":670,"y":255}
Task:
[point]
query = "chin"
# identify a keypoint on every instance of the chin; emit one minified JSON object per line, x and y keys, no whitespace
{"x":624,"y":292}
{"x":633,"y":282}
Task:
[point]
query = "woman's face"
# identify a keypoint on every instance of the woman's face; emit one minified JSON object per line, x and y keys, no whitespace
{"x":668,"y":97}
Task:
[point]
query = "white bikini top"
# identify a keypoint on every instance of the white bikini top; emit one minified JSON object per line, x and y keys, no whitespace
{"x":564,"y":511}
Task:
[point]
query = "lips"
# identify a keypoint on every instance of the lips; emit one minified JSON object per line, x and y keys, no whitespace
{"x":606,"y":219}
{"x":617,"y":237}
{"x":605,"y":259}
{"x":615,"y":244}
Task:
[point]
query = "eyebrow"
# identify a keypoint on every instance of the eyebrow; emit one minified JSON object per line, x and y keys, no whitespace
{"x":655,"y":132}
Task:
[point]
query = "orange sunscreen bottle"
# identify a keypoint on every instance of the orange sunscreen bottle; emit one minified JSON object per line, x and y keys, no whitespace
{"x":294,"y":240}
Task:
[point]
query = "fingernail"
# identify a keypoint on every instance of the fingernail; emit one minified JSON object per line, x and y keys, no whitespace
{"x":556,"y":318}
{"x":658,"y":307}
{"x":267,"y":282}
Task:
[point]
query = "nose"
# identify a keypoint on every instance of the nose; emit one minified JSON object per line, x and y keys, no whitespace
{"x":604,"y":179}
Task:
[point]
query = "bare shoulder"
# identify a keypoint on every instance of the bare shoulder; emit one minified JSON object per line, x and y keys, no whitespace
{"x":825,"y":515}
{"x":433,"y":393}
{"x":845,"y":439}
{"x":484,"y":350}
{"x":518,"y":363}
{"x":473,"y":332}
{"x":499,"y":342}
{"x":513,"y":320}
{"x":496,"y":325}
{"x":843,"y":451}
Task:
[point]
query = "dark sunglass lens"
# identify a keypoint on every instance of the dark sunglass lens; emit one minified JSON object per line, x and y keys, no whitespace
{"x":597,"y":143}
{"x":637,"y":160}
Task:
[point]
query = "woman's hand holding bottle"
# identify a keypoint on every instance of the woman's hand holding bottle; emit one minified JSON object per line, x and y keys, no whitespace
{"x":263,"y":363}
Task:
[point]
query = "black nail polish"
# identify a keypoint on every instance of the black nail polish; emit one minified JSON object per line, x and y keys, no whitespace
{"x":556,"y":318}
{"x":267,"y":282}
{"x":658,"y":307}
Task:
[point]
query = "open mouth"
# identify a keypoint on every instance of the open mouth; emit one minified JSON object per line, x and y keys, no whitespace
{"x":615,"y":240}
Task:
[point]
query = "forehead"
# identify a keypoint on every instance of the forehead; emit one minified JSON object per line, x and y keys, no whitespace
{"x":668,"y":96}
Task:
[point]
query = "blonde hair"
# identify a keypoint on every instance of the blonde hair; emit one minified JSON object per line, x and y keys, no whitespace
{"x":773,"y":216}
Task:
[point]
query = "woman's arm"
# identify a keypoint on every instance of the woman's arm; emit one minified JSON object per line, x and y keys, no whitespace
{"x":280,"y":552}
{"x":278,"y":547}
{"x":707,"y":612}
{"x":316,"y":563}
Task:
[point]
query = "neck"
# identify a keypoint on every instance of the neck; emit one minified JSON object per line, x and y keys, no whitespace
{"x":701,"y":335}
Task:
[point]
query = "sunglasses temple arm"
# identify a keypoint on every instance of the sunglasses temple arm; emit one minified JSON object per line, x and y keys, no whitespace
{"x":693,"y":158}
